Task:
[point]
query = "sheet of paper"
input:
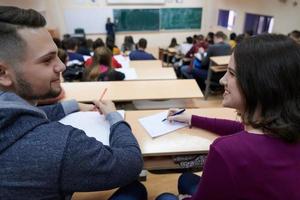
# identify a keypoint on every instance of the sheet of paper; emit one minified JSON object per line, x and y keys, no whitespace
{"x":130,"y":73}
{"x":86,"y":57}
{"x":92,"y":123}
{"x":155,"y":127}
{"x":123,"y":60}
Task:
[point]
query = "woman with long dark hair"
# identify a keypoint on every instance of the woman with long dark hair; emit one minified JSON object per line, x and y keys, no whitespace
{"x":260,"y":157}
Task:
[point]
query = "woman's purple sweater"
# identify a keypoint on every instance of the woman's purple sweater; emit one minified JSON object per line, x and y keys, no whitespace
{"x":244,"y":165}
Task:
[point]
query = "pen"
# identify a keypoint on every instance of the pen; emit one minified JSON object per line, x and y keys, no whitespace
{"x":102,"y":95}
{"x":177,"y":113}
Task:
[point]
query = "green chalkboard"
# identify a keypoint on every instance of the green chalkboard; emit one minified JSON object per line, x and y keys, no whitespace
{"x":180,"y":18}
{"x":136,"y":19}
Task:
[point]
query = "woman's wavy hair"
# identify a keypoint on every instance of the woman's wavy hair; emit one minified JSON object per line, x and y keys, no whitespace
{"x":102,"y":56}
{"x":268,"y":71}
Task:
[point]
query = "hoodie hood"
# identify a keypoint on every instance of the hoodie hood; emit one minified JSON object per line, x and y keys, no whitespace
{"x":17,"y":118}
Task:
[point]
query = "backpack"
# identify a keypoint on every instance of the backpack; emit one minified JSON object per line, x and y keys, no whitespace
{"x":74,"y":71}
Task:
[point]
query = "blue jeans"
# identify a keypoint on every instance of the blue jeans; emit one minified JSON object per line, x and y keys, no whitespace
{"x":187,"y":184}
{"x":200,"y":75}
{"x":133,"y":191}
{"x":167,"y":196}
{"x":186,"y":71}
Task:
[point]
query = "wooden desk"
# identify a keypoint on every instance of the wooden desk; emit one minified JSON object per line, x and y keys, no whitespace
{"x":155,"y":73}
{"x":182,"y":141}
{"x":146,"y":73}
{"x":153,"y":50}
{"x":137,"y":64}
{"x":158,"y":152}
{"x":220,"y":60}
{"x":132,"y":90}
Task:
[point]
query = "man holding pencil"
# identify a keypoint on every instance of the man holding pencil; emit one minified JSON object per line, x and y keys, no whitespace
{"x":41,"y":158}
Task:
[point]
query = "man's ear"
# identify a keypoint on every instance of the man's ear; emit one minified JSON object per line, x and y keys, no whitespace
{"x":5,"y":76}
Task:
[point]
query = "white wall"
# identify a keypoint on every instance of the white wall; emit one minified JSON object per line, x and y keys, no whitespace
{"x":286,"y":16}
{"x":35,"y":4}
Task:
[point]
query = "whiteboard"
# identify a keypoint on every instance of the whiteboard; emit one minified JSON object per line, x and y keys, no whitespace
{"x":92,"y":20}
{"x":135,"y":1}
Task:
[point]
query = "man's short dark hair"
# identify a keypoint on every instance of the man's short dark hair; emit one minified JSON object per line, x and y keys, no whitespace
{"x":268,"y":71}
{"x":295,"y":35}
{"x":220,"y":34}
{"x":12,"y":19}
{"x":142,"y":43}
{"x":240,"y":38}
{"x":189,"y":40}
{"x":98,"y":43}
{"x":71,"y":43}
{"x":232,"y":36}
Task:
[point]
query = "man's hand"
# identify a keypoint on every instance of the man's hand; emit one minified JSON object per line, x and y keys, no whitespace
{"x":105,"y":107}
{"x":86,"y":107}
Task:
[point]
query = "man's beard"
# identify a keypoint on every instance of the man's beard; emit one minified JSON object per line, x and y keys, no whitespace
{"x":24,"y":90}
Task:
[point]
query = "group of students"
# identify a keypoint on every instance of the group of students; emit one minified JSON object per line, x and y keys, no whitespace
{"x":96,"y":61}
{"x":197,"y":50}
{"x":196,"y":53}
{"x":257,"y":158}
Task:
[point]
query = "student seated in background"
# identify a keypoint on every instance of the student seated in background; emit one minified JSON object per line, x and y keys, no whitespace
{"x":210,"y":38}
{"x":40,"y":157}
{"x":219,"y":48}
{"x":99,"y":43}
{"x":239,"y":38}
{"x":199,"y":43}
{"x":140,"y":53}
{"x":82,"y":47}
{"x":199,"y":46}
{"x":101,"y":69}
{"x":173,"y":43}
{"x":128,"y":44}
{"x":71,"y":45}
{"x":260,"y":157}
{"x":186,"y":46}
{"x":173,"y":47}
{"x":110,"y":43}
{"x":232,"y":41}
{"x":181,"y":58}
{"x":295,"y":35}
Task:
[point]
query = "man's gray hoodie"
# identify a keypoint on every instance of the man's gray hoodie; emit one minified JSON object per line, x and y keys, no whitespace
{"x":41,"y":158}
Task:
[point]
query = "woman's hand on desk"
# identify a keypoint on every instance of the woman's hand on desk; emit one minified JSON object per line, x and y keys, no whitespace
{"x":105,"y":107}
{"x":184,"y":117}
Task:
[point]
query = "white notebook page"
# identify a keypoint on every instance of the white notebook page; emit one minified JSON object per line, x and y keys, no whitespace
{"x":155,"y":127}
{"x":92,"y":123}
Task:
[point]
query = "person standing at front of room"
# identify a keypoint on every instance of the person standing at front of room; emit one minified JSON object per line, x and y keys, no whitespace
{"x":110,"y":29}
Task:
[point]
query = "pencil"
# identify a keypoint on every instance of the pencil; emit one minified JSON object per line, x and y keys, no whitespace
{"x":102,"y":95}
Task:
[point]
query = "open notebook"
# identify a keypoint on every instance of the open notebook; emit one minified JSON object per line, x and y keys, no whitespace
{"x":156,"y":127}
{"x":92,"y":123}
